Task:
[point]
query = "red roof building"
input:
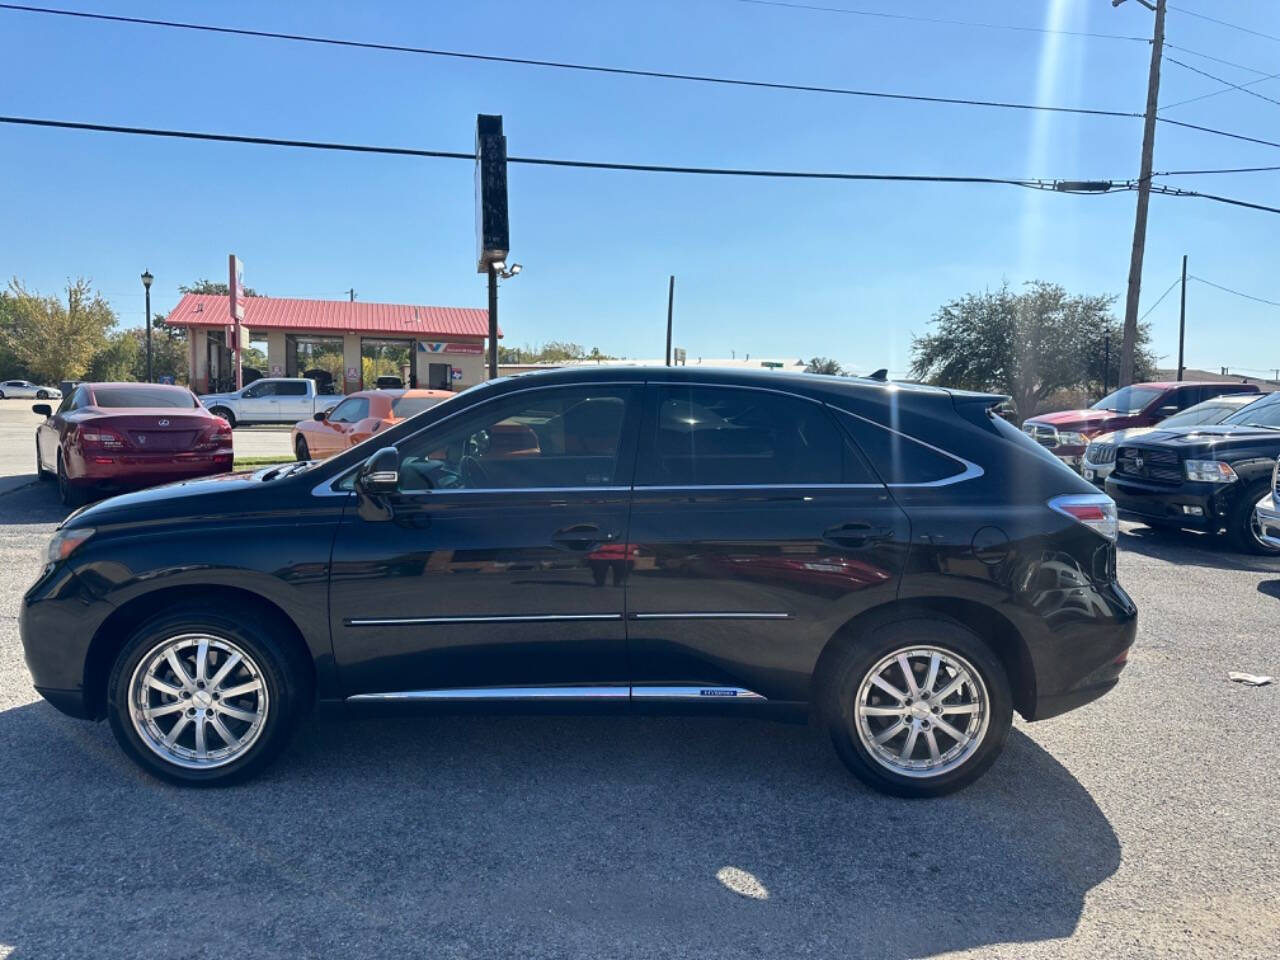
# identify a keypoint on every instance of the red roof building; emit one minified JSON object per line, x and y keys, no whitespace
{"x":341,"y":343}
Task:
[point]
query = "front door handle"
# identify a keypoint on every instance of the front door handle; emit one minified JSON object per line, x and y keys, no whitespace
{"x":581,"y":536}
{"x":856,"y":534}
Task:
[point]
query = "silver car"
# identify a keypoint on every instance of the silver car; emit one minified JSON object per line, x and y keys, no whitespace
{"x":25,"y":388}
{"x":1100,"y":456}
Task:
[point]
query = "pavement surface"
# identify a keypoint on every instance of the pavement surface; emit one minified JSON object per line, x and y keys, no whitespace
{"x":1143,"y":825}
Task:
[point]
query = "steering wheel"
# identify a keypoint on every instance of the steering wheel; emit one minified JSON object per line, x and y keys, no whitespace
{"x":474,"y":475}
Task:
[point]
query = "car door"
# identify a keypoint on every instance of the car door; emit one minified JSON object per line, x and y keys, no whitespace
{"x":293,"y":401}
{"x":257,"y":402}
{"x":477,"y":575}
{"x":18,"y":388}
{"x":757,"y":530}
{"x":336,"y":428}
{"x":49,"y":431}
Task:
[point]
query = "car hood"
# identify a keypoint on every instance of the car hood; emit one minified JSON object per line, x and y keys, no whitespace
{"x":1221,"y":436}
{"x":1075,"y":418}
{"x":208,"y":496}
{"x":1120,"y":436}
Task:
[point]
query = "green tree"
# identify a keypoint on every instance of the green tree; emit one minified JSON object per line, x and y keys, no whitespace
{"x":10,"y":365}
{"x":53,"y":340}
{"x":1026,"y":344}
{"x":824,"y":365}
{"x":209,"y":288}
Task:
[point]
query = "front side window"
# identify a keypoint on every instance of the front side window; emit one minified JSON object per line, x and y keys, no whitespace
{"x":714,"y":436}
{"x":262,"y":389}
{"x":536,"y":439}
{"x":351,"y":410}
{"x":1128,"y":400}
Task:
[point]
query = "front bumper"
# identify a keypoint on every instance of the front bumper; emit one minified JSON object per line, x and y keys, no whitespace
{"x":1268,"y":513}
{"x":1190,"y":504}
{"x":1096,"y":473}
{"x":57,"y":621}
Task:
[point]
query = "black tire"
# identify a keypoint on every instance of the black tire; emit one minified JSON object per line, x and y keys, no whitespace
{"x":1242,"y":529}
{"x":41,"y":472}
{"x":301,"y":450}
{"x":846,"y":671}
{"x":225,"y":414}
{"x":42,"y":394}
{"x":281,"y":668}
{"x":1,"y":394}
{"x":71,"y":496}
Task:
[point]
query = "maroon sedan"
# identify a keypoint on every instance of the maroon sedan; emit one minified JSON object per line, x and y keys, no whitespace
{"x":107,"y":437}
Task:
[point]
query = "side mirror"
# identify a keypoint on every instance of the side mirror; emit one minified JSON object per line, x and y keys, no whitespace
{"x":321,"y":415}
{"x":381,"y":472}
{"x":1168,"y":410}
{"x":43,"y":409}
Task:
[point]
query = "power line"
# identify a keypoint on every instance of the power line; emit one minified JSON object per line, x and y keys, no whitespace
{"x":1214,"y":130}
{"x":1247,"y":296}
{"x":1206,"y":56}
{"x":1217,"y":93}
{"x":1225,"y":23}
{"x":1057,"y":186}
{"x":1234,"y":86}
{"x":1191,"y":173}
{"x":1176,"y":281}
{"x":878,"y":14}
{"x":565,"y":65}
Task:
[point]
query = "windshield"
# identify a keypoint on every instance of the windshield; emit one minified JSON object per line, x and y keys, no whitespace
{"x":407,"y":407}
{"x":1211,"y":411}
{"x":144,"y":396}
{"x":1128,"y":399}
{"x":1262,"y":413}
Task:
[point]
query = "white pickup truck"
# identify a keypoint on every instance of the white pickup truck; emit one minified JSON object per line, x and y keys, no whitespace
{"x":270,"y":400}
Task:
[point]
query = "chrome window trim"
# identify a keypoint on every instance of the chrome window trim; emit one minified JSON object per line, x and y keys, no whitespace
{"x":706,"y":692}
{"x":478,"y":618}
{"x":324,"y":488}
{"x":971,"y":470}
{"x":760,"y":486}
{"x":712,"y":615}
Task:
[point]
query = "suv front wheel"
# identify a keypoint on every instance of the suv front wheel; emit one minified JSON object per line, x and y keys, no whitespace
{"x":918,"y":707}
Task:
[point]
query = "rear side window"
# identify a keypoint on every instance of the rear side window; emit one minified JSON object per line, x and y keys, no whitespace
{"x":900,"y":459}
{"x":712,"y":436}
{"x":406,"y":407}
{"x":291,"y":388}
{"x":143,"y":396}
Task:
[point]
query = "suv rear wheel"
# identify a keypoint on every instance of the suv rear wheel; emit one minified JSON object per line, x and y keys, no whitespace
{"x":198,"y":699}
{"x":918,"y":707}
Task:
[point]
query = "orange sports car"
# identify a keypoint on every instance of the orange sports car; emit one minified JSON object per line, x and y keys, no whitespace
{"x":357,"y":418}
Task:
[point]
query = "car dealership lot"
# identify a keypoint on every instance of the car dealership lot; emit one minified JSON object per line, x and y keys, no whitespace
{"x":1141,"y":825}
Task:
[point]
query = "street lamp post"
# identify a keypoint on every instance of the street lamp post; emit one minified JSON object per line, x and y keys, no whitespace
{"x":146,"y":284}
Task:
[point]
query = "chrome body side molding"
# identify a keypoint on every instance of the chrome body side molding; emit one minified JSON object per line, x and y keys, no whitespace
{"x":610,"y":691}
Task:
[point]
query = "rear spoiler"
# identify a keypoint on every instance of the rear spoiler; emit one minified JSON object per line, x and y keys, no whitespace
{"x":976,"y":407}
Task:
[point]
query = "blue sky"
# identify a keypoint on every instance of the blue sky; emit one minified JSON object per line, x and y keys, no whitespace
{"x":769,"y":268}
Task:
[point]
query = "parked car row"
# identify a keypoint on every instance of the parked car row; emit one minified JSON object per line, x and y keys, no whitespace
{"x":779,"y":545}
{"x":25,"y":389}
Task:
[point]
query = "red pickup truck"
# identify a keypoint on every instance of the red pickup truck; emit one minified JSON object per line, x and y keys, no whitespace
{"x":1068,"y":432}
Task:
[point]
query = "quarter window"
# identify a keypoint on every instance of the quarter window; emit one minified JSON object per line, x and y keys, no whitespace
{"x":535,"y":439}
{"x":898,"y":458}
{"x":712,"y":436}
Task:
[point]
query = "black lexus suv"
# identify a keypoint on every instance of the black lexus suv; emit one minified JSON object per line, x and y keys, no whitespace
{"x":895,"y":561}
{"x":1209,"y":478}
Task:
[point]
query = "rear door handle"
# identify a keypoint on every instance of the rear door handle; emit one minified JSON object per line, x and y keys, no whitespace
{"x":581,"y":536}
{"x":856,"y":534}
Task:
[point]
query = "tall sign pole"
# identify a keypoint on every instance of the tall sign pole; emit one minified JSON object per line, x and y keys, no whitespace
{"x":671,"y":297}
{"x":235,"y":284}
{"x":1182,"y":317}
{"x":1128,"y":344}
{"x":493,"y":240}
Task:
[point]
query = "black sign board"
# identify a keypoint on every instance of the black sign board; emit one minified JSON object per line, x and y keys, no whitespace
{"x":492,"y":233}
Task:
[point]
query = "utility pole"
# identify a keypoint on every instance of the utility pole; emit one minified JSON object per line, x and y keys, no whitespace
{"x":1128,"y":345}
{"x":493,"y":320}
{"x":671,"y":297}
{"x":1182,"y":316}
{"x":1106,"y":361}
{"x":351,"y":293}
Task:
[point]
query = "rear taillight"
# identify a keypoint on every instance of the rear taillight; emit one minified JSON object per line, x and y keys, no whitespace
{"x":100,"y":438}
{"x":1096,"y":511}
{"x":216,"y":437}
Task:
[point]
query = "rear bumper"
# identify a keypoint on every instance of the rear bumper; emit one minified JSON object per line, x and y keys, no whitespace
{"x":124,"y":471}
{"x":1268,"y":512}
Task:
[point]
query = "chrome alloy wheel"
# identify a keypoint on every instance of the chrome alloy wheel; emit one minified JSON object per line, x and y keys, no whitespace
{"x":198,"y":701}
{"x":922,"y":711}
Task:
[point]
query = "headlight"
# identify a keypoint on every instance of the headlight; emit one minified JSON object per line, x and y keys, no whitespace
{"x":1071,"y":438}
{"x":65,"y":542}
{"x":1210,"y":471}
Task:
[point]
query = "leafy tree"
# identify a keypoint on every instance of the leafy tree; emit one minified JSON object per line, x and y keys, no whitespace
{"x":824,"y":365}
{"x":1027,"y":344}
{"x":554,"y":351}
{"x":209,"y":288}
{"x":53,"y":340}
{"x":10,"y":365}
{"x":118,"y":359}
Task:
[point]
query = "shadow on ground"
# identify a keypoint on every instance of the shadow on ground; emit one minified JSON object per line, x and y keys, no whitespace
{"x":519,"y":836}
{"x":1189,"y":547}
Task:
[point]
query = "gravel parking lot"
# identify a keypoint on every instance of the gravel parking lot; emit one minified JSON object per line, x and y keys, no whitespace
{"x":1141,"y":826}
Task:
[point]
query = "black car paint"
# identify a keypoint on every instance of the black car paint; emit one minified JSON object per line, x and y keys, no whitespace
{"x":1250,"y":451}
{"x":303,"y":544}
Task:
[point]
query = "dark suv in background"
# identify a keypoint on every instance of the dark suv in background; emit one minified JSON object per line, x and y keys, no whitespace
{"x":1208,"y":478}
{"x":896,"y":560}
